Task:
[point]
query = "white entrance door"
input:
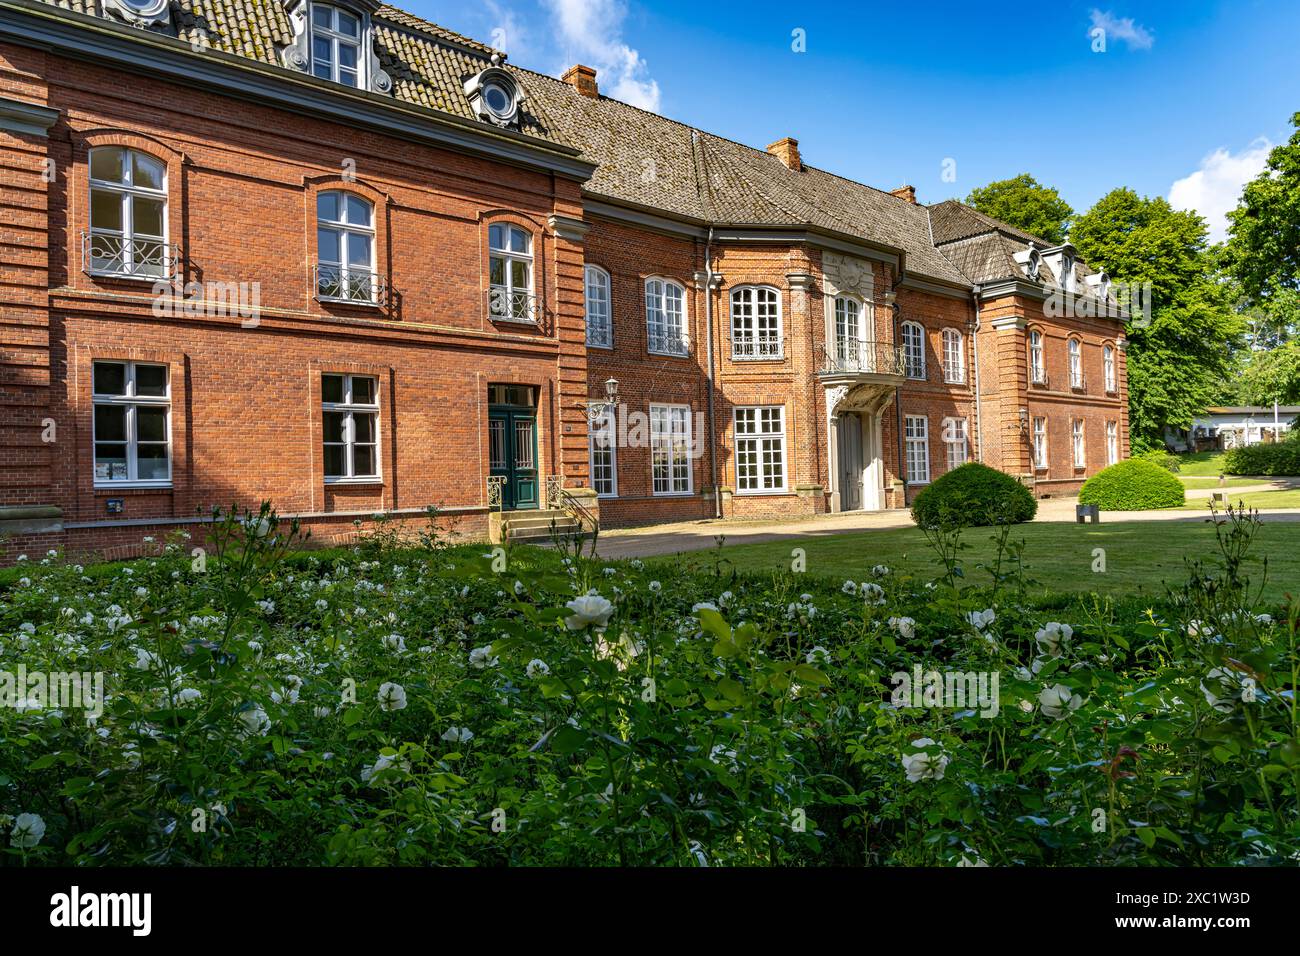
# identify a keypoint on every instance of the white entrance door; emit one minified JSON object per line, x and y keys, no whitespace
{"x":850,"y":461}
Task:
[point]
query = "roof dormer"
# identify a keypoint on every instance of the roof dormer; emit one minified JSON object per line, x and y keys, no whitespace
{"x":1061,"y":260}
{"x":1030,"y":260}
{"x":334,"y":40}
{"x":494,"y":94}
{"x":140,"y":13}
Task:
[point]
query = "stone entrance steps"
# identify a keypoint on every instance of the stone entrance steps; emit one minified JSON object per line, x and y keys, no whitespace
{"x":534,"y":527}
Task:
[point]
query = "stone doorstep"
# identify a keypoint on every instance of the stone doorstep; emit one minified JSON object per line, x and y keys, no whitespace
{"x":30,"y":519}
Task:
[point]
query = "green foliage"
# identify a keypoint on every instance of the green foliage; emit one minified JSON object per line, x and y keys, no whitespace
{"x":1178,"y":363}
{"x":1132,"y":485}
{"x":973,"y":495}
{"x":1161,"y":457}
{"x":1264,"y":243}
{"x":1026,"y":204}
{"x":1280,"y":458}
{"x":1270,"y":375}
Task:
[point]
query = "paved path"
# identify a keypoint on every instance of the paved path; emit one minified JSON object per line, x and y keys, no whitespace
{"x":699,"y":535}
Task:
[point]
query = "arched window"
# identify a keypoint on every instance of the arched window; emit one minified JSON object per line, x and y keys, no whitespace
{"x":128,"y":215}
{"x":336,"y":45}
{"x":850,"y":352}
{"x":954,"y":357}
{"x":1037,"y":370}
{"x":1076,"y":363}
{"x":345,"y":248}
{"x":665,"y":317}
{"x":913,"y":350}
{"x":600,"y":330}
{"x":510,"y":260}
{"x":1108,"y":367}
{"x":755,"y":323}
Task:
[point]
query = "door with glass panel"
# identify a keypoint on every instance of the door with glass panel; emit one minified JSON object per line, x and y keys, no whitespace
{"x":512,"y":444}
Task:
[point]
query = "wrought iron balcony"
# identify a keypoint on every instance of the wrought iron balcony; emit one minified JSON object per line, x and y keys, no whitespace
{"x":128,"y":257}
{"x":748,"y":348}
{"x":667,"y":343}
{"x":351,"y":286}
{"x":600,"y":337}
{"x":851,"y":357}
{"x":511,"y":305}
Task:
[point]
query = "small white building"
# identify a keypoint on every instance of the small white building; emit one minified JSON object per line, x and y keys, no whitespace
{"x":1231,"y":426}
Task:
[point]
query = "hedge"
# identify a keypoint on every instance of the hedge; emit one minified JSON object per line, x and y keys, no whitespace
{"x":973,"y":495}
{"x":1132,"y":485}
{"x":1282,"y":458}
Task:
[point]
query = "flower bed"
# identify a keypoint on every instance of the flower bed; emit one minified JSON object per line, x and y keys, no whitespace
{"x":472,"y":706}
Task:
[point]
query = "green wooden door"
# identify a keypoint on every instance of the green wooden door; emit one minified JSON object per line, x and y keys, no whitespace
{"x":512,"y":454}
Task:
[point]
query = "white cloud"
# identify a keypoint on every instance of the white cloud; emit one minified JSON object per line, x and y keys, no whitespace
{"x":507,"y":33}
{"x":1134,"y":35}
{"x":592,"y":31}
{"x":1214,"y":189}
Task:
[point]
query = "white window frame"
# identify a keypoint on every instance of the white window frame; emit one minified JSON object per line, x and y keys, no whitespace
{"x":345,"y":229}
{"x":599,"y":300}
{"x":1109,"y":368}
{"x":750,"y":341}
{"x":508,"y":292}
{"x":1037,"y":369}
{"x":1112,"y":442}
{"x":914,"y":350}
{"x":1078,"y":443}
{"x":349,"y":409}
{"x":602,"y":441}
{"x":127,"y":192}
{"x":665,"y":326}
{"x":1040,"y":443}
{"x":916,"y":438}
{"x":336,"y":38}
{"x":958,"y":445}
{"x":756,"y":438}
{"x":1074,"y":350}
{"x":954,"y":357}
{"x":674,"y":440}
{"x":131,"y":402}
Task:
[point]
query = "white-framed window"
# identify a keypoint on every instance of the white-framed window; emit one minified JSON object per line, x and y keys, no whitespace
{"x":665,"y":317}
{"x":913,"y":350}
{"x":604,"y":464}
{"x":345,"y":248}
{"x":917,"y":443}
{"x":350,"y":426}
{"x":336,"y":37}
{"x":1076,"y":363}
{"x":1037,"y":370}
{"x":132,"y":424}
{"x":954,"y":357}
{"x":755,"y":323}
{"x":670,"y":449}
{"x":510,"y":273}
{"x":1076,"y":440}
{"x":1040,"y":442}
{"x":1112,"y":442}
{"x":128,"y":215}
{"x":1108,"y":368}
{"x":956,"y":439}
{"x":760,"y":449}
{"x":600,"y":329}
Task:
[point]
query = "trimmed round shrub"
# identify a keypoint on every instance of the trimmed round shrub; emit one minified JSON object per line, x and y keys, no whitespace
{"x":1132,"y":485}
{"x":973,"y":495}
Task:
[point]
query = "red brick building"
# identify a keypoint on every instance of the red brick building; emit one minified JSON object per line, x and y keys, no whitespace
{"x":334,"y":256}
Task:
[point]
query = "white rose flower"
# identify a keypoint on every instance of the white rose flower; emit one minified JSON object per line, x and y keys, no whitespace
{"x":590,"y":610}
{"x":28,"y":831}
{"x":1053,"y":638}
{"x":872,"y":593}
{"x":255,"y":722}
{"x":1223,"y":690}
{"x":1059,"y":701}
{"x":481,"y":657}
{"x":537,"y":668}
{"x":458,"y":735}
{"x":818,"y":655}
{"x":924,"y":766}
{"x":187,"y":695}
{"x":903,"y":626}
{"x":394,"y":642}
{"x":849,"y":587}
{"x":981,"y":619}
{"x":392,"y":696}
{"x":655,"y":587}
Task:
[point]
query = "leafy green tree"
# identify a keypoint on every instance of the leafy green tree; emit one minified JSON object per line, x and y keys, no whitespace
{"x":1026,"y":204}
{"x":1264,"y":235}
{"x":1179,"y":360}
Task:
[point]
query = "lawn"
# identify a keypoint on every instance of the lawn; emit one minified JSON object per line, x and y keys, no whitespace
{"x":1140,"y":555}
{"x":1201,"y":463}
{"x":1203,"y":483}
{"x":1261,"y":500}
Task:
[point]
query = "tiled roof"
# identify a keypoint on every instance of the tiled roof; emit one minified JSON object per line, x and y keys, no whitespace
{"x":642,"y":159}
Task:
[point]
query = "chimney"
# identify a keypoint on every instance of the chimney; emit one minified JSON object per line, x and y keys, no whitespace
{"x":583,"y":79}
{"x":905,"y":192}
{"x":787,"y":150}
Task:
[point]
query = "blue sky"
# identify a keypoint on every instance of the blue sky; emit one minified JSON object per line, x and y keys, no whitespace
{"x":1183,"y":102}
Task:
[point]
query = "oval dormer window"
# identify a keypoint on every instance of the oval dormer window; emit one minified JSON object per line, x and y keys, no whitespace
{"x":494,"y":96}
{"x":498,"y":99}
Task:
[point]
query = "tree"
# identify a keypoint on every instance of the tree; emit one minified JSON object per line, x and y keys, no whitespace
{"x":1024,"y":203}
{"x":1264,"y":234}
{"x":1272,"y":376}
{"x":1178,"y":361}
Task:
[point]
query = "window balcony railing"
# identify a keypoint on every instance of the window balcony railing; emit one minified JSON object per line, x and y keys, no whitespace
{"x":749,"y":348}
{"x":1038,"y":376}
{"x":668,"y":343}
{"x":600,"y":337}
{"x":119,"y":256}
{"x":954,"y":375}
{"x":351,"y":286}
{"x":869,"y":358}
{"x":1078,"y":381}
{"x":511,"y":305}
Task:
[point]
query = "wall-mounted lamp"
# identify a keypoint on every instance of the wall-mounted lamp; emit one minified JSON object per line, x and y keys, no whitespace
{"x":1024,"y":420}
{"x":596,"y":410}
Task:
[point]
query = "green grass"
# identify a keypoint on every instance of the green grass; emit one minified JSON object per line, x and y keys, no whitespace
{"x":1141,"y":556}
{"x":1263,"y":500}
{"x":1204,"y":483}
{"x":1201,"y":463}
